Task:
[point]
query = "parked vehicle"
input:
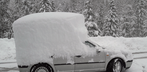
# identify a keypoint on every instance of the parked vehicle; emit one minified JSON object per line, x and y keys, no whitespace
{"x":58,"y":41}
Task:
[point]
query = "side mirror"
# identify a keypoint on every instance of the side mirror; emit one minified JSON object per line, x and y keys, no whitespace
{"x":98,"y":51}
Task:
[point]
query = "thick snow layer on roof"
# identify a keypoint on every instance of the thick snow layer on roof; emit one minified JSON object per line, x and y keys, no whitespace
{"x":40,"y":36}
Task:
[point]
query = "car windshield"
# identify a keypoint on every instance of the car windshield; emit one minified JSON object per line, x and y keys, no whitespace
{"x":89,"y":44}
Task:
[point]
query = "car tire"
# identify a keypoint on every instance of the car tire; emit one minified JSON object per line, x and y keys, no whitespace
{"x":41,"y":68}
{"x":115,"y":66}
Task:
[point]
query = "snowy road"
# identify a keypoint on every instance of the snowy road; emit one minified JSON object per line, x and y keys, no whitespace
{"x":8,"y":67}
{"x":140,"y":55}
{"x":139,"y":65}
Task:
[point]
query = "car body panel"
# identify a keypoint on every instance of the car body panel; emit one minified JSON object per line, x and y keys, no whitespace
{"x":110,"y":57}
{"x":90,"y":62}
{"x":24,"y":69}
{"x":62,"y":64}
{"x":97,"y":62}
{"x":128,"y":64}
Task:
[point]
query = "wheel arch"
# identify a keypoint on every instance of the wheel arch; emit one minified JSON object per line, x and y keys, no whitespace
{"x":43,"y":63}
{"x":121,"y":59}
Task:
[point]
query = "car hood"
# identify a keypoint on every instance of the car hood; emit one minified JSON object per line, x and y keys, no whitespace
{"x":112,"y":47}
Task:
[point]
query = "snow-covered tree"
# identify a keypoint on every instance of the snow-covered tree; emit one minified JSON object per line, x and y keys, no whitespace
{"x":47,"y":6}
{"x":100,"y":19}
{"x":73,"y":4}
{"x":27,"y":7}
{"x":24,"y":8}
{"x":88,"y":11}
{"x":91,"y":27}
{"x":127,"y":21}
{"x":63,"y":7}
{"x":110,"y":27}
{"x":89,"y":20}
{"x":4,"y":17}
{"x":141,"y":14}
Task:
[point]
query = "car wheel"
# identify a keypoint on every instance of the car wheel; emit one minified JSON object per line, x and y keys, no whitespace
{"x":41,"y":68}
{"x":115,"y":66}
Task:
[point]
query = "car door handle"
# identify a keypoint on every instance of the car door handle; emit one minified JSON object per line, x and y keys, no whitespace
{"x":78,"y":56}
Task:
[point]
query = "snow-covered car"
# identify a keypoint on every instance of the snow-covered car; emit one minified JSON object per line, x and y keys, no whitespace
{"x":58,"y":41}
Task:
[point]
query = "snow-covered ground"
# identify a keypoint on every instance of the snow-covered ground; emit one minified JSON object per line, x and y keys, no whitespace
{"x":7,"y":49}
{"x":8,"y":55}
{"x":139,"y":65}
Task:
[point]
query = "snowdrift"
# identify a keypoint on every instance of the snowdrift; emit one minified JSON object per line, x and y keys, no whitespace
{"x":136,"y":43}
{"x":7,"y":49}
{"x":42,"y":35}
{"x":120,"y":46}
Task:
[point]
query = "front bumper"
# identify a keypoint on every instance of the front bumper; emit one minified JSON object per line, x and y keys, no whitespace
{"x":24,"y":68}
{"x":128,"y":64}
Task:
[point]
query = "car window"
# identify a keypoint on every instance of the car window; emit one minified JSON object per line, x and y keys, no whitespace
{"x":89,"y":44}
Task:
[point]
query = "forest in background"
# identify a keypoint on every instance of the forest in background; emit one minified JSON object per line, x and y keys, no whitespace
{"x":127,"y":18}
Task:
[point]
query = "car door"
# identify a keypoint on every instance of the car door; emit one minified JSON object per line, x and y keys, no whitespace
{"x":64,"y":64}
{"x":94,"y":62}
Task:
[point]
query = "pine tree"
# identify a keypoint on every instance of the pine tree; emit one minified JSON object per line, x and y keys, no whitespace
{"x":111,"y":21}
{"x":47,"y":6}
{"x":91,"y":27}
{"x":141,"y":14}
{"x":73,"y":5}
{"x":100,"y":20}
{"x":127,"y":21}
{"x":63,"y":7}
{"x":4,"y":17}
{"x":27,"y":7}
{"x":23,"y":8}
{"x":88,"y":12}
{"x":89,"y":20}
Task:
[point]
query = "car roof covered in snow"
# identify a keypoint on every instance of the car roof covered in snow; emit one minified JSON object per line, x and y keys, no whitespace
{"x":46,"y":15}
{"x":42,"y":35}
